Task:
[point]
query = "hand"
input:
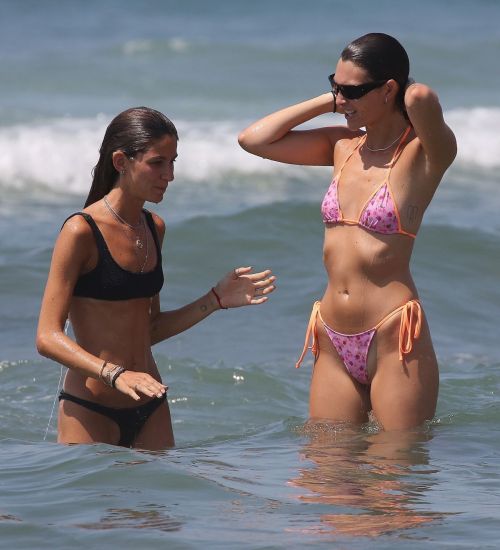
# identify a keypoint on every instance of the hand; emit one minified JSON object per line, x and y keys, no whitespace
{"x":132,"y":383}
{"x":240,"y":287}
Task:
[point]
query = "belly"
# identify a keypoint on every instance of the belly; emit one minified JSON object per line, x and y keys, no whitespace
{"x":368,"y":276}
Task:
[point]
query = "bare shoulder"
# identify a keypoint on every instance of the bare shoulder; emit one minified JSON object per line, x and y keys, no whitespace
{"x":345,"y":145}
{"x":75,"y":245}
{"x":339,"y":134}
{"x":76,"y":228}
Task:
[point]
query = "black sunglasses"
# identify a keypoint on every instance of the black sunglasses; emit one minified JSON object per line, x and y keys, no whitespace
{"x":353,"y":91}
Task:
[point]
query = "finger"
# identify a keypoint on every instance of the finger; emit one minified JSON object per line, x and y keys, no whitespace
{"x":161,"y":391}
{"x":268,"y":289}
{"x":152,"y":384}
{"x":146,"y":389}
{"x":258,"y":276}
{"x":265,"y":282}
{"x":131,"y":393}
{"x":238,"y":271}
{"x":122,"y":386}
{"x":257,"y":301}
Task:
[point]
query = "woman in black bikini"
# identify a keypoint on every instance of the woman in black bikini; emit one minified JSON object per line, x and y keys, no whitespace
{"x":105,"y":276}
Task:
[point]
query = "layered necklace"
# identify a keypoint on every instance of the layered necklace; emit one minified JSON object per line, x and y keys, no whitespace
{"x":389,"y":146}
{"x":139,"y":243}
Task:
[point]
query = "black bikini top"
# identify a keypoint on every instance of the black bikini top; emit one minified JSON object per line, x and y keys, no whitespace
{"x":110,"y":281}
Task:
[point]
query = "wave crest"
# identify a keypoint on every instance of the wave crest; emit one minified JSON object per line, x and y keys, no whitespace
{"x":59,"y":154}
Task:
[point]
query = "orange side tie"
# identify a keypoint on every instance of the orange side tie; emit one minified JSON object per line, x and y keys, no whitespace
{"x":409,"y":329}
{"x":311,"y":333}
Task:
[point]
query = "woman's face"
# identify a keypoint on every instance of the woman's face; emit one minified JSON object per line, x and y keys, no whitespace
{"x":151,"y":172}
{"x":358,"y":112}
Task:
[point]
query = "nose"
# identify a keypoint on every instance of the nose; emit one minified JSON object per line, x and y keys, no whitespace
{"x":340,"y":97}
{"x":168,"y":174}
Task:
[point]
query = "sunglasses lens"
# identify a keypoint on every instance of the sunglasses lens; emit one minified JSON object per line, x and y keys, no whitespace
{"x":354,"y":91}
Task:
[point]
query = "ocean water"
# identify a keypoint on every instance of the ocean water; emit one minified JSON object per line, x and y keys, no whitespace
{"x":245,"y":473}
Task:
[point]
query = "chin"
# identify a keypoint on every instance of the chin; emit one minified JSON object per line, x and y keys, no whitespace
{"x":158,"y":197}
{"x":354,"y":125}
{"x":155,"y":200}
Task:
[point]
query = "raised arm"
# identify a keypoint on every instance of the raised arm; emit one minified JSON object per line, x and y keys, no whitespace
{"x":239,"y":287}
{"x":274,"y":138}
{"x":436,"y":138}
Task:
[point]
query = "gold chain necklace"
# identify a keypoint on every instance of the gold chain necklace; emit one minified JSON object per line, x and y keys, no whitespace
{"x":138,"y":241}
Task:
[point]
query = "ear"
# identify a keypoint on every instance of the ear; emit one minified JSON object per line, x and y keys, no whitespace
{"x":119,"y":161}
{"x":391,"y":89}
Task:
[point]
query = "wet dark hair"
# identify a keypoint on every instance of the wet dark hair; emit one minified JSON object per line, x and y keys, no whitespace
{"x":133,"y":131}
{"x":382,"y":57}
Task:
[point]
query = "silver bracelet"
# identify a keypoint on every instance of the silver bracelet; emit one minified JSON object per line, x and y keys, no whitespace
{"x":102,"y":370}
{"x":118,"y":371}
{"x":109,"y":377}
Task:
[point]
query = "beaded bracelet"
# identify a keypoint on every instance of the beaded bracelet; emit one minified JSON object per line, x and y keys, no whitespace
{"x":218,"y":299}
{"x":334,"y":102}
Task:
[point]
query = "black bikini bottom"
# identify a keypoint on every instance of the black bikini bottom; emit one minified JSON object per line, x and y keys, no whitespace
{"x":129,"y":420}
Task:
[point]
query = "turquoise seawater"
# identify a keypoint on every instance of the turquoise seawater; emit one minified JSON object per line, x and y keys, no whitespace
{"x":245,"y":473}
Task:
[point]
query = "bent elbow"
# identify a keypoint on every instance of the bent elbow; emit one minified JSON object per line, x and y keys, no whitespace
{"x":420,"y":94}
{"x":243,"y":141}
{"x":42,"y":343}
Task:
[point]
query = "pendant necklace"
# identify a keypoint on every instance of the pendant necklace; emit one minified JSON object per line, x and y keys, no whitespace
{"x":388,"y":147}
{"x":138,"y":241}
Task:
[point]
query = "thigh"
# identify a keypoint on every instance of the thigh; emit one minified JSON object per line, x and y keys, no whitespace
{"x":334,"y":394}
{"x":76,"y":424}
{"x":157,"y":433}
{"x":404,"y":394}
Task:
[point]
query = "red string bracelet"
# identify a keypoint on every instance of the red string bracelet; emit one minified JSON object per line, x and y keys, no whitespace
{"x":218,"y":299}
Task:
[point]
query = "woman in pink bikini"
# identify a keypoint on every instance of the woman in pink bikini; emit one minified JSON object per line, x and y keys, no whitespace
{"x":371,"y":342}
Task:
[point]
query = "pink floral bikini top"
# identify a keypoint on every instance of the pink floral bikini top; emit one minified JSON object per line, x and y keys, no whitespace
{"x":379,"y":213}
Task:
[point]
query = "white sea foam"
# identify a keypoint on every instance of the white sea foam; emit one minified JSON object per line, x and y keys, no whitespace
{"x":477,"y":135}
{"x":59,"y":154}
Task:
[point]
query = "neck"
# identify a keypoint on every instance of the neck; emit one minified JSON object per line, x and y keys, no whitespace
{"x":128,"y":208}
{"x":389,"y":141}
{"x":385,"y":134}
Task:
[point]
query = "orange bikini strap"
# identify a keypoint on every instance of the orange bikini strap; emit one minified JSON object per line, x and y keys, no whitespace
{"x":311,"y":333}
{"x":409,"y":329}
{"x":399,"y":149}
{"x":358,"y":145}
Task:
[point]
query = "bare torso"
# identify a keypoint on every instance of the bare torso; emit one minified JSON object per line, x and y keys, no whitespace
{"x":368,"y":272}
{"x":118,"y":332}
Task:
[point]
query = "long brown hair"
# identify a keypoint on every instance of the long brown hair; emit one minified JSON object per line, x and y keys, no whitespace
{"x":133,"y":131}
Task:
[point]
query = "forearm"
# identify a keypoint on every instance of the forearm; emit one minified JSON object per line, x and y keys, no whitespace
{"x":166,"y":324}
{"x":273,"y":127}
{"x":56,"y":345}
